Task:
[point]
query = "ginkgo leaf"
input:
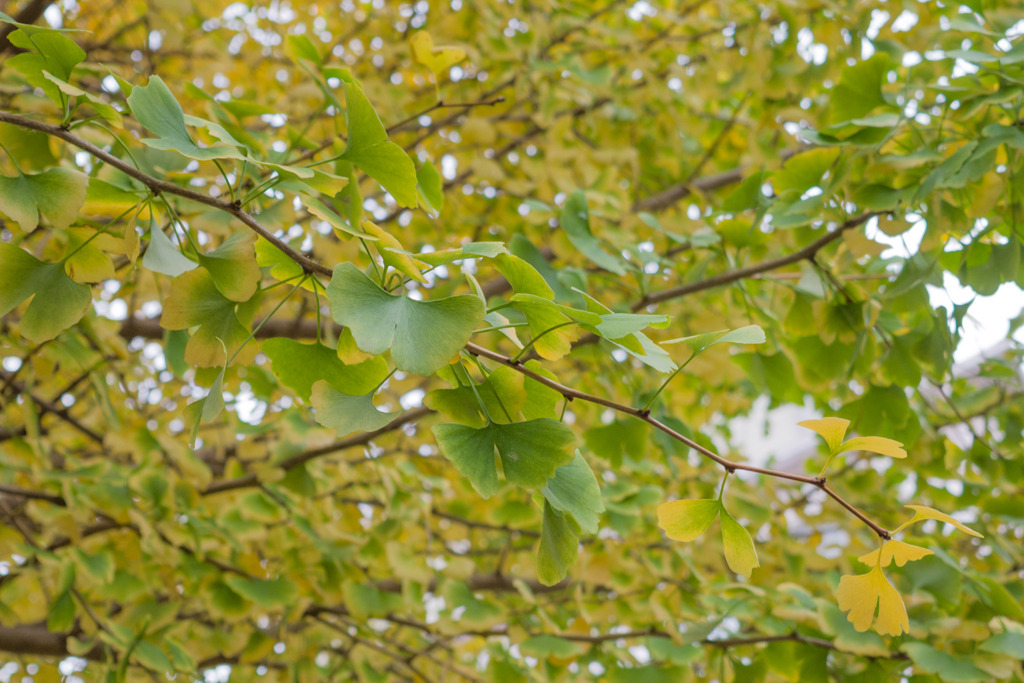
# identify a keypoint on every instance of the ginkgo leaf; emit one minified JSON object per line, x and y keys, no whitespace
{"x":524,"y":278}
{"x":298,"y":366}
{"x":393,"y":253}
{"x":194,"y":300}
{"x":155,"y":107}
{"x":423,"y":335}
{"x":58,"y":302}
{"x":832,"y":429}
{"x":233,"y":266}
{"x":56,"y":195}
{"x":574,"y":491}
{"x":558,"y":546}
{"x":530,"y":452}
{"x":44,"y":51}
{"x":859,"y":595}
{"x":895,"y":550}
{"x":437,"y":58}
{"x":740,"y":554}
{"x":921,"y":513}
{"x":321,"y":211}
{"x":162,"y":257}
{"x":750,"y":334}
{"x":346,"y":414}
{"x":369,"y":148}
{"x":687,"y":520}
{"x":575,"y":221}
{"x":874,"y":444}
{"x":431,"y":187}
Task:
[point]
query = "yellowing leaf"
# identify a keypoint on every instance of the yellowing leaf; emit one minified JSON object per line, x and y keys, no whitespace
{"x":393,"y":253}
{"x":686,"y":520}
{"x":874,"y":444}
{"x":832,"y":429}
{"x":895,"y":550}
{"x":859,"y":595}
{"x":436,"y":58}
{"x":739,"y":547}
{"x":921,"y":513}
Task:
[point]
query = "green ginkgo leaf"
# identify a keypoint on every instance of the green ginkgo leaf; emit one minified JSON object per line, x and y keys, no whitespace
{"x":369,"y":148}
{"x":270,"y":593}
{"x":233,"y":266}
{"x":44,"y":51}
{"x":558,"y":547}
{"x":575,"y":220}
{"x":56,"y":195}
{"x":58,"y":302}
{"x":344,"y":413}
{"x":195,"y":301}
{"x":423,"y":336}
{"x":575,"y":492}
{"x":751,"y":334}
{"x":155,"y":107}
{"x":298,"y":366}
{"x":530,"y":452}
{"x":163,"y":257}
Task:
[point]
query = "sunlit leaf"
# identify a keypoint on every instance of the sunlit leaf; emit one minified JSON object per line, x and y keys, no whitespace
{"x":859,"y":595}
{"x":687,"y":520}
{"x":832,"y":429}
{"x":437,"y":58}
{"x":922,"y":513}
{"x":895,"y":550}
{"x":874,"y":444}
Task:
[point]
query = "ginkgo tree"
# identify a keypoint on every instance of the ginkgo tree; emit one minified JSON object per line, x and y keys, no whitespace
{"x":426,"y":341}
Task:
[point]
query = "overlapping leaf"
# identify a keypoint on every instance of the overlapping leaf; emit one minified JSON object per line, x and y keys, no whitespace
{"x":423,"y":335}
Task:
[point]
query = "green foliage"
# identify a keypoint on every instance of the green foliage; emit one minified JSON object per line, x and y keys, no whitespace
{"x":330,"y":352}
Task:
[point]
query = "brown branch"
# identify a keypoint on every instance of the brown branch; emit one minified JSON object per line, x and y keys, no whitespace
{"x":730,"y":466}
{"x":29,"y":14}
{"x":671,"y":195}
{"x":249,"y":480}
{"x":157,"y":186}
{"x":441,"y":104}
{"x":756,"y":269}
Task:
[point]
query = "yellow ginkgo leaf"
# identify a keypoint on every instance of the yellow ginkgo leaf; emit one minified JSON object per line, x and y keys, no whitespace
{"x":686,"y":520}
{"x":393,"y":253}
{"x":895,"y":550}
{"x":859,"y":595}
{"x":922,"y":513}
{"x":874,"y":444}
{"x":438,"y":59}
{"x":832,"y":429}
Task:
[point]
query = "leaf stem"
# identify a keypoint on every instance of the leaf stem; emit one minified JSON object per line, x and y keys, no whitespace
{"x":263,"y":322}
{"x":533,"y":341}
{"x":650,"y":402}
